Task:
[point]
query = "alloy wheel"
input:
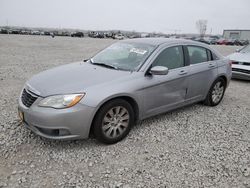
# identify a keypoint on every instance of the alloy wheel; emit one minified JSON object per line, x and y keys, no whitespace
{"x":115,"y":122}
{"x":217,"y":92}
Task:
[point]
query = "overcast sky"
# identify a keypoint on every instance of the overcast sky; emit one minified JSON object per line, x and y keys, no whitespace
{"x":166,"y":16}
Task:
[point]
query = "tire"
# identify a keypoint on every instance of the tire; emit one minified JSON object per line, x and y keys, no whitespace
{"x":110,"y":129}
{"x":216,"y":92}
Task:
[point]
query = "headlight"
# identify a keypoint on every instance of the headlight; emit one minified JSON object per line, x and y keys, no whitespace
{"x":61,"y":101}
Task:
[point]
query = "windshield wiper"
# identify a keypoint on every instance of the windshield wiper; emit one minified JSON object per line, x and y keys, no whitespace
{"x":105,"y":65}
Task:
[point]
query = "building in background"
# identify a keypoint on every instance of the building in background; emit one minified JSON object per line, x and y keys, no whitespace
{"x":236,"y":34}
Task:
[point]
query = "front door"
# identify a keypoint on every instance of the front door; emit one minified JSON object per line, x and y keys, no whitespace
{"x":164,"y":92}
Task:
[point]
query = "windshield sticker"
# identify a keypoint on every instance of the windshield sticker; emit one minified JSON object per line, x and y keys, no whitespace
{"x":138,"y":51}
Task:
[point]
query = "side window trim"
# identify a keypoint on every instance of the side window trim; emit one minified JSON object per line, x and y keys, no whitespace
{"x":186,"y":56}
{"x":209,"y":55}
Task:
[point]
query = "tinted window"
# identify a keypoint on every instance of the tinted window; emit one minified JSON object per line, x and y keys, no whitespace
{"x":197,"y":54}
{"x":171,"y":58}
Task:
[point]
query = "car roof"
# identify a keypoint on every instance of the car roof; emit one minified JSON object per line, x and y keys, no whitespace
{"x":160,"y":41}
{"x":157,"y":41}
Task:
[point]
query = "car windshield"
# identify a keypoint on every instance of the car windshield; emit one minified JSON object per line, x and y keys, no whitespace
{"x":246,"y":49}
{"x":124,"y":56}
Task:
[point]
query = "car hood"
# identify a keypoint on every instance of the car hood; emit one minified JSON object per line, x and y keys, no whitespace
{"x":240,"y":57}
{"x":72,"y":78}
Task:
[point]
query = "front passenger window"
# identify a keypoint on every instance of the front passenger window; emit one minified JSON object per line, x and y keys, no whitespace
{"x":171,"y":58}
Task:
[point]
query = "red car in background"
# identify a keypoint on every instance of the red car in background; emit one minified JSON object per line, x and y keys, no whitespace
{"x":222,"y":41}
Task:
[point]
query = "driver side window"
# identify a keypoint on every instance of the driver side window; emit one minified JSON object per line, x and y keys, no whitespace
{"x":171,"y":58}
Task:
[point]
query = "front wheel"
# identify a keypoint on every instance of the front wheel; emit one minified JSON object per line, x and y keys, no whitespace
{"x":113,"y":121}
{"x":216,"y":92}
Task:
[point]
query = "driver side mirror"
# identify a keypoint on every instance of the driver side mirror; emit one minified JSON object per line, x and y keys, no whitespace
{"x":237,"y":50}
{"x":159,"y":70}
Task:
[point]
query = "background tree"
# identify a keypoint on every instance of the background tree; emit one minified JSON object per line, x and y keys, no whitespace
{"x":202,"y":27}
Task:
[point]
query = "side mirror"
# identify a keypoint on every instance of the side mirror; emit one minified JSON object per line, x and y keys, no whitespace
{"x":237,"y":50}
{"x":159,"y":70}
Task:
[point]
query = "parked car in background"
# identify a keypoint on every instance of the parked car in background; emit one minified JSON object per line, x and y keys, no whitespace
{"x":119,"y":36}
{"x":222,"y":41}
{"x":15,"y":31}
{"x":4,"y":31}
{"x":91,"y":34}
{"x":234,"y":42}
{"x":35,"y":33}
{"x":241,"y":63}
{"x":99,"y":35}
{"x":230,"y":42}
{"x":77,"y":34}
{"x":94,"y":34}
{"x":244,"y":42}
{"x":109,"y":34}
{"x":128,"y":81}
{"x":47,"y":33}
{"x":25,"y":32}
{"x":212,"y":41}
{"x":238,"y":43}
{"x":66,"y":34}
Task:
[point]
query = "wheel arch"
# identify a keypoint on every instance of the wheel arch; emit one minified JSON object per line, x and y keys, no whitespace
{"x":127,"y":98}
{"x":224,"y":78}
{"x":207,"y":100}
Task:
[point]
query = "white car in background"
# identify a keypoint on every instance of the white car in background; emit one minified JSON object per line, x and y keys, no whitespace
{"x":241,"y":63}
{"x":119,"y":37}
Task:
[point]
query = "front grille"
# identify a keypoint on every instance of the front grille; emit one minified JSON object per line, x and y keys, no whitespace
{"x":27,"y":98}
{"x":241,"y":63}
{"x":241,"y":70}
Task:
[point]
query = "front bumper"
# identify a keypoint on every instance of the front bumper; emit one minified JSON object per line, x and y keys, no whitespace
{"x":58,"y":124}
{"x":240,"y":75}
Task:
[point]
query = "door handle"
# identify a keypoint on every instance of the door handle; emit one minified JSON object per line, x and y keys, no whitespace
{"x":183,"y":72}
{"x":211,"y":65}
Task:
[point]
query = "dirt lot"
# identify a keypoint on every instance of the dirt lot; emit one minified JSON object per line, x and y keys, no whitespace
{"x":196,"y":146}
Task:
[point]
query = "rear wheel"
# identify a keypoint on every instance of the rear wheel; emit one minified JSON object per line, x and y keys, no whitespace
{"x":113,"y":121}
{"x":216,"y":92}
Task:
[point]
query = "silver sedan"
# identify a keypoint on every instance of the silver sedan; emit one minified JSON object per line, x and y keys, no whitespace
{"x":127,"y":82}
{"x":241,"y":63}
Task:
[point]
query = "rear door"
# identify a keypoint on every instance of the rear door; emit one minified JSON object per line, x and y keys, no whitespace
{"x":202,"y":72}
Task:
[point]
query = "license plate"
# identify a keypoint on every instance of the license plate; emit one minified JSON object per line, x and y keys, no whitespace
{"x":21,"y":116}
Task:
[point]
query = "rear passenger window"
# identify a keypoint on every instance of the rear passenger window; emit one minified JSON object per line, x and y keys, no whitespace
{"x":197,"y":54}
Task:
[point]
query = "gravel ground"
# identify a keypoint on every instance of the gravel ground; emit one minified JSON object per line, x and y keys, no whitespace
{"x":196,"y":146}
